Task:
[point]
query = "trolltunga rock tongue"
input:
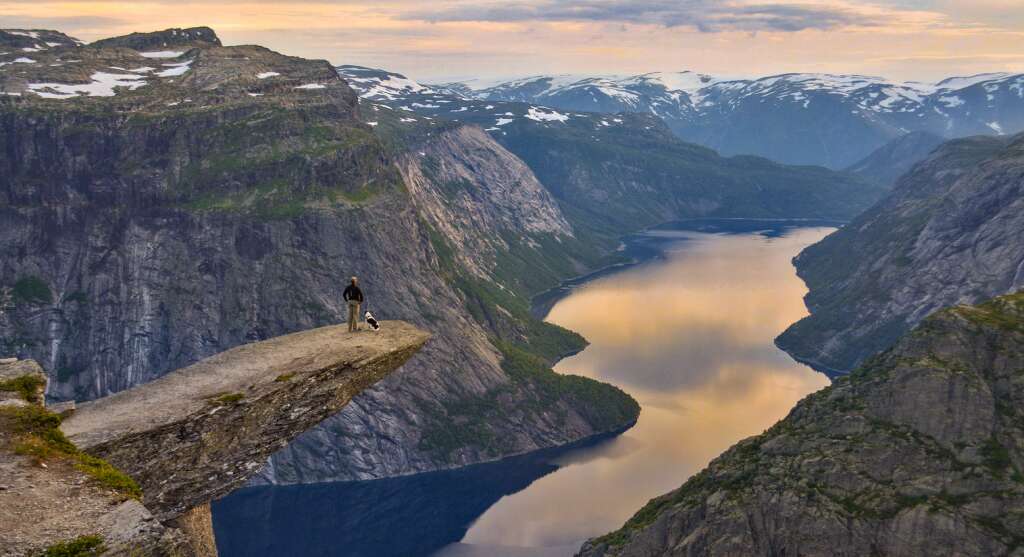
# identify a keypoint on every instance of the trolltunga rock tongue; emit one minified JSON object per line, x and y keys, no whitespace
{"x":197,"y":433}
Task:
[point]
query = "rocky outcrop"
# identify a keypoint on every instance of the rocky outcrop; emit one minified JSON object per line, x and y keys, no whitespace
{"x":467,"y":187}
{"x":34,"y":40}
{"x":161,"y":40}
{"x":188,"y":438}
{"x":224,"y":195}
{"x":795,"y":118}
{"x":49,"y":498}
{"x":919,"y":452}
{"x":197,"y":433}
{"x":949,"y":233}
{"x":21,"y":382}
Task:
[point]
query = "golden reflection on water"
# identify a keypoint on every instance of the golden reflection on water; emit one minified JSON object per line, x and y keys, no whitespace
{"x":689,"y":337}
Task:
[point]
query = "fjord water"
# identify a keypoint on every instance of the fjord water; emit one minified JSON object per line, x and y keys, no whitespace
{"x":688,"y":333}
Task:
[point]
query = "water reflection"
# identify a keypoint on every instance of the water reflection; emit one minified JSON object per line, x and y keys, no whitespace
{"x":688,"y":333}
{"x":690,"y":336}
{"x":400,"y":517}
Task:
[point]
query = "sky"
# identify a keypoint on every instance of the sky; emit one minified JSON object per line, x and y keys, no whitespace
{"x":458,"y":39}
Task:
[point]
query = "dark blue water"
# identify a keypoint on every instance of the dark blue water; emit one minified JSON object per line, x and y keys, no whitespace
{"x":697,"y":306}
{"x":399,"y":517}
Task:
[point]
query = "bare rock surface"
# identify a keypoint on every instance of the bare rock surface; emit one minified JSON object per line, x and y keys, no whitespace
{"x":197,"y":433}
{"x":42,"y":506}
{"x":168,"y":198}
{"x":47,"y":501}
{"x":187,"y":438}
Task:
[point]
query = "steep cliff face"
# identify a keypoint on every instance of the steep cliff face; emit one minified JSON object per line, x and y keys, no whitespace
{"x":139,"y":240}
{"x":81,"y":477}
{"x":202,"y":197}
{"x":919,"y":452}
{"x":468,"y":187}
{"x":499,"y":237}
{"x":949,"y":233}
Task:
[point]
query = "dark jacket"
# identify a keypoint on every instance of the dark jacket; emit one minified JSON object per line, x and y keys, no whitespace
{"x":353,"y":293}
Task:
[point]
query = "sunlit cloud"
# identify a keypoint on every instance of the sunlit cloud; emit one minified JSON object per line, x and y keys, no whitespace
{"x":703,"y":15}
{"x":901,"y":39}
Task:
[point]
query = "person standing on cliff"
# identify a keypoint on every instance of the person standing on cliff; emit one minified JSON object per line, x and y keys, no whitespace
{"x":354,"y":296}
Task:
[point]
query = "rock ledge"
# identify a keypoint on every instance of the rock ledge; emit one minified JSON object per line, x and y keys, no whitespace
{"x":199,"y":432}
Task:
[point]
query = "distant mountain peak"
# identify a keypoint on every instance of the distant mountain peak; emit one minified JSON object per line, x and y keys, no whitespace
{"x":953,"y":83}
{"x":35,"y":40}
{"x":175,"y":37}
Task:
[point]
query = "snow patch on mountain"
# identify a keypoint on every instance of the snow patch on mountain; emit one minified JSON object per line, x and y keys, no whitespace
{"x":951,"y":101}
{"x":175,"y":69}
{"x":162,"y":54}
{"x":21,"y":60}
{"x":541,"y":115}
{"x":103,"y":85}
{"x":956,"y":83}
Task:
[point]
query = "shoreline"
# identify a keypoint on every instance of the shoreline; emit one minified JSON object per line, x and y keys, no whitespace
{"x":542,"y":302}
{"x":827,"y":371}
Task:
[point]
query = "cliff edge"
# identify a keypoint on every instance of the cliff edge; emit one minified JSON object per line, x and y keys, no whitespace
{"x":134,"y":471}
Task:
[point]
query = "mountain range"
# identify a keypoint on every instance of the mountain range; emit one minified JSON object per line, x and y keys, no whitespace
{"x":164,"y":198}
{"x":799,"y":118}
{"x":619,"y":173}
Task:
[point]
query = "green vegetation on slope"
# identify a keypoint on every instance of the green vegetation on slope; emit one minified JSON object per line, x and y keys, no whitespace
{"x":27,"y":387}
{"x":604,"y":406}
{"x":34,"y":431}
{"x":276,"y":164}
{"x":82,"y":546}
{"x":543,"y":395}
{"x":31,"y":290}
{"x":529,"y":348}
{"x":523,"y":266}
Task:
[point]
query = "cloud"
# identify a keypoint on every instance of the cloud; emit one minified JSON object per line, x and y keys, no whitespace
{"x":55,"y":22}
{"x":704,"y":15}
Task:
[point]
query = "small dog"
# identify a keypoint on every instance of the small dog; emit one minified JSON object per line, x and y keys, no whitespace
{"x":372,"y":322}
